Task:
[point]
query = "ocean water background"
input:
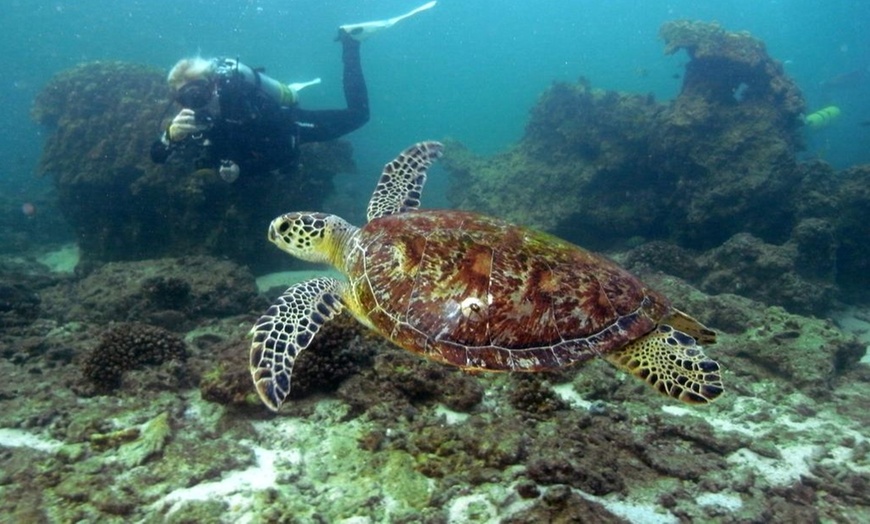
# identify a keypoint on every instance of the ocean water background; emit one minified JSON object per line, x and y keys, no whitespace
{"x":469,"y":70}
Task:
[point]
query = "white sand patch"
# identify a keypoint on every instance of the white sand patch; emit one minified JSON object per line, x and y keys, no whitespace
{"x":733,"y":421}
{"x":472,"y":508}
{"x":288,"y":278}
{"x":63,"y":260}
{"x":235,"y":488}
{"x":840,"y":456}
{"x":450,"y":416}
{"x":567,"y":393}
{"x":490,"y":504}
{"x":722,"y":500}
{"x":797,"y":438}
{"x":778,"y":472}
{"x":635,"y":511}
{"x":16,"y":438}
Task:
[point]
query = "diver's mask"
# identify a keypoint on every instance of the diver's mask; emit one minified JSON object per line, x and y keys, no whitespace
{"x":195,"y":94}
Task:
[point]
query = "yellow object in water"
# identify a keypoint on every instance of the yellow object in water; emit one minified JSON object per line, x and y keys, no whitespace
{"x":822,"y":117}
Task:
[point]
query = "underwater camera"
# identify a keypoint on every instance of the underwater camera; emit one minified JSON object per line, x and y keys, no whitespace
{"x":195,"y":95}
{"x":202,"y":117}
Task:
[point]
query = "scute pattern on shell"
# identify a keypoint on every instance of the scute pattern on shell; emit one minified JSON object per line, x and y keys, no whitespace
{"x":480,"y":293}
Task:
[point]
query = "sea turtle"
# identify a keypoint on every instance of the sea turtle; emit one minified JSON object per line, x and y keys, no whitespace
{"x":475,"y":292}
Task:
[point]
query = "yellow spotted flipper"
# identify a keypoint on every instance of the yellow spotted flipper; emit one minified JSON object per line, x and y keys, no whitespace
{"x":671,"y":362}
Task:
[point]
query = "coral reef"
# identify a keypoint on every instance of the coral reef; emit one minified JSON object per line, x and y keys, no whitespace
{"x":697,"y":168}
{"x":790,"y":275}
{"x":126,"y":347}
{"x":733,"y":69}
{"x":798,"y":275}
{"x":719,"y":161}
{"x":787,"y":442}
{"x":730,"y":137}
{"x":577,"y":137}
{"x":103,"y":117}
{"x":841,"y":201}
{"x":169,"y":292}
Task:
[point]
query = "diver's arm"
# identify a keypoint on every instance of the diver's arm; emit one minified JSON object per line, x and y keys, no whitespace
{"x":319,"y":126}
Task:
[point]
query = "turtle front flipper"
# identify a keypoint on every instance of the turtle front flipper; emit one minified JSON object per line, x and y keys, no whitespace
{"x":671,"y":362}
{"x":287,"y":328}
{"x":402,"y":180}
{"x":690,"y":326}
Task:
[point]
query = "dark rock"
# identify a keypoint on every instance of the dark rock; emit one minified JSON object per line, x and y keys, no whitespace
{"x":19,"y":305}
{"x":170,"y":292}
{"x":399,"y":381}
{"x":796,"y":275}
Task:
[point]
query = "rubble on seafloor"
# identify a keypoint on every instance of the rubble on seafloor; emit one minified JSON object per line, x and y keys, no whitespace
{"x":378,"y":434}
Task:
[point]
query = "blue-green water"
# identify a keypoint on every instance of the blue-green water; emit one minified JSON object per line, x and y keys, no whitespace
{"x":470,"y":70}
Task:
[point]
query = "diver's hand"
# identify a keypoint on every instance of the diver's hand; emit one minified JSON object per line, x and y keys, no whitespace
{"x":183,"y":125}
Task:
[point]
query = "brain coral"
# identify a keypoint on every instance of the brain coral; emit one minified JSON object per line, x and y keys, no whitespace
{"x":130,"y":346}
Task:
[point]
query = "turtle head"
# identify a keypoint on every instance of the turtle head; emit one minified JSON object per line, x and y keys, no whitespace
{"x":315,"y":237}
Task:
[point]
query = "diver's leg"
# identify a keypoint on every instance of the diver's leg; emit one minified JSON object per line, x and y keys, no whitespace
{"x":355,"y":91}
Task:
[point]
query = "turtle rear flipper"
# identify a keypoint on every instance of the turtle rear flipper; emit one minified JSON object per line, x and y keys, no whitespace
{"x":287,"y":328}
{"x":671,"y":362}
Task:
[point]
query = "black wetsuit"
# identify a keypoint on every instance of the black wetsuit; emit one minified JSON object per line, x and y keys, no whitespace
{"x":259,"y":134}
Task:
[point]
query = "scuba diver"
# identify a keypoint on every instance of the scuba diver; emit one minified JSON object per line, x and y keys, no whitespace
{"x":244,"y":122}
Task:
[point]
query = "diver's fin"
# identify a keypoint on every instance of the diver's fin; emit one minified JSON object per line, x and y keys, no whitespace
{"x":364,"y":30}
{"x":299,"y":86}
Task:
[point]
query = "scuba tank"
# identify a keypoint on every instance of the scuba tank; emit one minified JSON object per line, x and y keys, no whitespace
{"x":231,"y":73}
{"x":822,"y":117}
